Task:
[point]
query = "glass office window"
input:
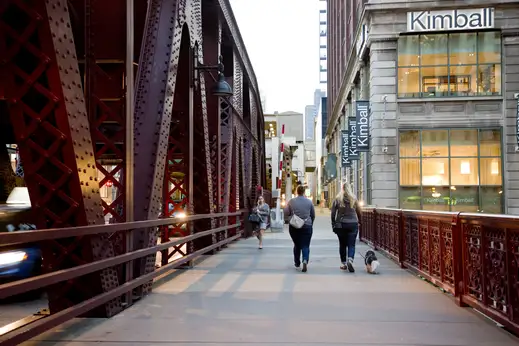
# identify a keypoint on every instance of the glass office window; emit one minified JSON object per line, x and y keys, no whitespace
{"x":435,"y":143}
{"x":411,"y":197}
{"x":410,"y":144}
{"x":451,"y":170}
{"x":434,"y":50}
{"x":409,"y":51}
{"x":449,"y":65}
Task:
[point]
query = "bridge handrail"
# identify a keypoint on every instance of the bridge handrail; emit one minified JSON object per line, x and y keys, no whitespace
{"x":469,"y":255}
{"x":24,"y":333}
{"x":67,"y":232}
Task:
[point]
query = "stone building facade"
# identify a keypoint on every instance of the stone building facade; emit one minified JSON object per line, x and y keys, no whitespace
{"x":441,"y":80}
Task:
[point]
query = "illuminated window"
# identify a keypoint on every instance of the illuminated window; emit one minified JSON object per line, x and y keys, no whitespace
{"x":447,"y":65}
{"x":451,"y":170}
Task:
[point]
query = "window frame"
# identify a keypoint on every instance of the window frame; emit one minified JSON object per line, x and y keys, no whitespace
{"x":421,"y":93}
{"x":449,"y":158}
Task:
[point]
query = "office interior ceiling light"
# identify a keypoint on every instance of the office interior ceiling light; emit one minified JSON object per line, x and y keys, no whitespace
{"x":465,"y":167}
{"x":494,"y":168}
{"x":442,"y":168}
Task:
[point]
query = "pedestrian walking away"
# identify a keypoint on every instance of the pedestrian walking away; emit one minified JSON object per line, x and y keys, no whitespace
{"x":301,"y":214}
{"x":345,"y":215}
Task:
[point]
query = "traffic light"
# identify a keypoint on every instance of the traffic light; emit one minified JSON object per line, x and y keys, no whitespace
{"x":288,"y":164}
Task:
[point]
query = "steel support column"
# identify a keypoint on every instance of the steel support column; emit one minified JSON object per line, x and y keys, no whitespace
{"x":211,"y":39}
{"x":172,"y":29}
{"x":128,"y":136}
{"x":227,"y":153}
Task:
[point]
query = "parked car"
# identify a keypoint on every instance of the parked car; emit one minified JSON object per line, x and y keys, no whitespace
{"x":18,"y":261}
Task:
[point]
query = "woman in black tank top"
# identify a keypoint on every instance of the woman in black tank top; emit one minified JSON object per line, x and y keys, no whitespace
{"x":345,"y":223}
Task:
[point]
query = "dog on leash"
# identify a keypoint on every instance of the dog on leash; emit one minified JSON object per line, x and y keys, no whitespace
{"x":371,"y":261}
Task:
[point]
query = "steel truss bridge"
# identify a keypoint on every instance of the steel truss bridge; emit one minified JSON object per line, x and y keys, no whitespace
{"x":132,"y":164}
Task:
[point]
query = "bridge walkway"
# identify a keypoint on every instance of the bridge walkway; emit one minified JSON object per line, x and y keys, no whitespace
{"x":247,"y":296}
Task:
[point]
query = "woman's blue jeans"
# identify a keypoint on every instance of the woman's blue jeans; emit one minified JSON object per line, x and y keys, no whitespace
{"x":301,"y":238}
{"x":347,"y":235}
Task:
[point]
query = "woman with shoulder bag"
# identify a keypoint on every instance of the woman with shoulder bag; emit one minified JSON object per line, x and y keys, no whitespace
{"x":302,"y":215}
{"x":262,"y":210}
{"x":346,"y":214}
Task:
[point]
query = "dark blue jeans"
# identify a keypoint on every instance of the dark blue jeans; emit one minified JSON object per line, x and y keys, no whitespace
{"x":301,"y":238}
{"x":347,"y":235}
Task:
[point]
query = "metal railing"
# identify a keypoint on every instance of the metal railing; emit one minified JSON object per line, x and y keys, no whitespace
{"x":20,"y":333}
{"x":472,"y":256}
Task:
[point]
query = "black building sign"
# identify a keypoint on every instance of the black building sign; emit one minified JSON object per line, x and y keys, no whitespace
{"x":331,"y":168}
{"x":353,"y":153}
{"x":324,"y":116}
{"x":362,"y":125}
{"x":345,"y":148}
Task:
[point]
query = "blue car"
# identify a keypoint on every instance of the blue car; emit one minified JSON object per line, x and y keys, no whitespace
{"x":18,"y":261}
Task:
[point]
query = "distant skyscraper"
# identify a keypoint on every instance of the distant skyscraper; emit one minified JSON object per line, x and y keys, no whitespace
{"x":263,"y":101}
{"x":311,"y":113}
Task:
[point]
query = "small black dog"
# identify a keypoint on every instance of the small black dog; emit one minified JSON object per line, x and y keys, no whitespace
{"x":371,"y":262}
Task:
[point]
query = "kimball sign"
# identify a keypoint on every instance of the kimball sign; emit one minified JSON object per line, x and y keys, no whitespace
{"x":345,"y":149}
{"x":362,"y":125}
{"x":353,"y":153}
{"x":468,"y":19}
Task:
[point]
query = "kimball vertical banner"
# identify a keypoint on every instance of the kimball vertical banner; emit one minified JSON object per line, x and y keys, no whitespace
{"x":345,"y":145}
{"x":353,"y":153}
{"x":362,"y":116}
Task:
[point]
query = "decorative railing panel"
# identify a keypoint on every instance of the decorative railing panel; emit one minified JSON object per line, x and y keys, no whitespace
{"x":474,"y":257}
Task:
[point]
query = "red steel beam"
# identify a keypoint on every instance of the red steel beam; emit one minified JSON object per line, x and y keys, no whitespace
{"x":48,"y":114}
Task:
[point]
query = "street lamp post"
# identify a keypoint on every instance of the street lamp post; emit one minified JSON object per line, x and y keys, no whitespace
{"x":220,"y":89}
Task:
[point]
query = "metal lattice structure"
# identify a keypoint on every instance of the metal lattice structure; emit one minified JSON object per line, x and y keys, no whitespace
{"x":98,"y":96}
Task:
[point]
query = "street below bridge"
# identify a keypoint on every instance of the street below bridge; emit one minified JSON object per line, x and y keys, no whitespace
{"x":247,"y":296}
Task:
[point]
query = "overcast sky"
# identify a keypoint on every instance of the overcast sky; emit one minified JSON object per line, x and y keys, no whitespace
{"x":282,"y":40}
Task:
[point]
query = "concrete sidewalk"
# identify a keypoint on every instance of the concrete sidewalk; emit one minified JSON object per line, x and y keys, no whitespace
{"x":246,"y":296}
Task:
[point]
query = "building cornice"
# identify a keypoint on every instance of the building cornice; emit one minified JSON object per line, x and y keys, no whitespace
{"x":419,"y":5}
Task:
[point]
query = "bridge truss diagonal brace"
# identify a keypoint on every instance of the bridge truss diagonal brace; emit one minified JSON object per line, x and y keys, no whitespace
{"x":66,"y":59}
{"x":153,"y":107}
{"x":48,"y":114}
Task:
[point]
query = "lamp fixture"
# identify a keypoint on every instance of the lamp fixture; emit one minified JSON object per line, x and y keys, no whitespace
{"x":442,"y":168}
{"x":494,"y":168}
{"x":465,"y":167}
{"x":221,"y":88}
